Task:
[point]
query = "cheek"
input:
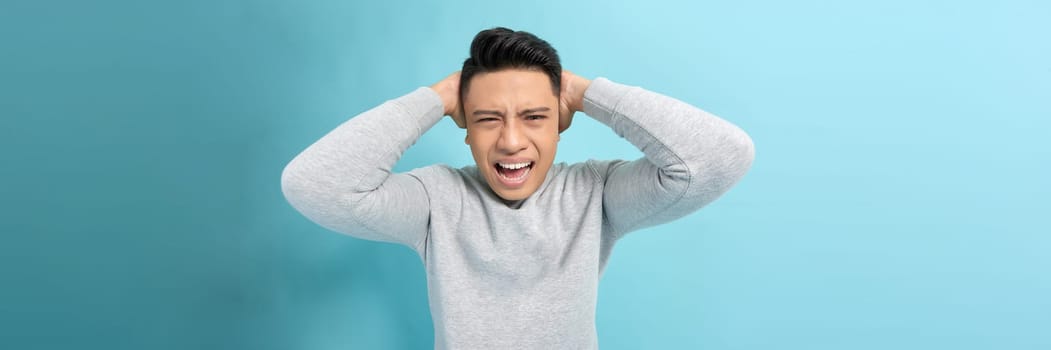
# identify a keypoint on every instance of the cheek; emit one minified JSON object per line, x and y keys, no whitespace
{"x":481,"y":143}
{"x":546,"y":143}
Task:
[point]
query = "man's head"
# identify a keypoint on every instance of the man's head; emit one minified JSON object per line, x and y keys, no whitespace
{"x":509,"y":90}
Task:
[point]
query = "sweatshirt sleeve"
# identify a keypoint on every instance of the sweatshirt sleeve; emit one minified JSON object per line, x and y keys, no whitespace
{"x":691,"y":156}
{"x":343,"y":181}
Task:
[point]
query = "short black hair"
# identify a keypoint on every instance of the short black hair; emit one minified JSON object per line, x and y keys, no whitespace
{"x":501,"y":48}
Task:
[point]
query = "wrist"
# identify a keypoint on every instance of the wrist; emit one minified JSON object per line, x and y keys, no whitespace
{"x":443,"y":93}
{"x":580,"y":86}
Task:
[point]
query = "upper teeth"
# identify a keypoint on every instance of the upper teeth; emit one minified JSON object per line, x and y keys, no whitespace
{"x":514,"y":165}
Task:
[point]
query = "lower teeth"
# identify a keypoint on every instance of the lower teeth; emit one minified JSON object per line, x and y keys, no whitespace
{"x":524,"y":173}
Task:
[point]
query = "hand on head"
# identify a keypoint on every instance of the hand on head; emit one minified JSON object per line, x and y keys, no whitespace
{"x":571,"y":99}
{"x":449,"y":90}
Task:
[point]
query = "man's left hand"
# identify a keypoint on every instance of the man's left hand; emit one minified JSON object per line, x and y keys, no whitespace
{"x":571,"y":100}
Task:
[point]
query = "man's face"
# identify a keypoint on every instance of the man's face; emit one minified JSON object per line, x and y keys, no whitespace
{"x":512,"y":128}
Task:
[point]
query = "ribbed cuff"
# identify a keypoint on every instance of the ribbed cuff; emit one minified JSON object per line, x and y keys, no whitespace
{"x":425,"y":103}
{"x":601,"y":98}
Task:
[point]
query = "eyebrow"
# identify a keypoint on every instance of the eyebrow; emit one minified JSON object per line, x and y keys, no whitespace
{"x":523,"y":112}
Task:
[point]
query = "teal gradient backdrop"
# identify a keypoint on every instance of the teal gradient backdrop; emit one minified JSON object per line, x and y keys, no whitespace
{"x":898,"y":199}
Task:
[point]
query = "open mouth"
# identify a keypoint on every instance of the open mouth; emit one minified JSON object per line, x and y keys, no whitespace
{"x":512,"y":174}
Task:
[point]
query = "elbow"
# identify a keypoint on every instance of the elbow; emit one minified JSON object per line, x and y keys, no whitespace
{"x":725,"y":165}
{"x":292,"y":185}
{"x":319,"y":200}
{"x":306,"y":196}
{"x":300,"y":190}
{"x":739,"y":150}
{"x":744,"y":153}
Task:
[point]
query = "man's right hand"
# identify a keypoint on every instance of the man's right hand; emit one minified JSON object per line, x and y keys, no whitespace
{"x":449,"y":90}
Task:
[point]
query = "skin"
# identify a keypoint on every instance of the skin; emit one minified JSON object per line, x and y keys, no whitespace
{"x":497,"y":128}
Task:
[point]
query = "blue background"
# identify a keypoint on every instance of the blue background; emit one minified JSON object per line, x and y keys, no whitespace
{"x":897,"y":201}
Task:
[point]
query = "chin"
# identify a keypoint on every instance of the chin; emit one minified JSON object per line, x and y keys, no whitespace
{"x":514,"y":194}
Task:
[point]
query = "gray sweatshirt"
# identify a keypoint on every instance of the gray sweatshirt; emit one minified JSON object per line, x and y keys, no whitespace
{"x":524,"y":274}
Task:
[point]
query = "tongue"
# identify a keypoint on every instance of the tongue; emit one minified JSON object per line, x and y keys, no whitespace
{"x":515,"y":173}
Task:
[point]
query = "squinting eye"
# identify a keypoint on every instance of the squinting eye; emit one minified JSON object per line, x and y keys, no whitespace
{"x":536,"y":117}
{"x":486,"y":120}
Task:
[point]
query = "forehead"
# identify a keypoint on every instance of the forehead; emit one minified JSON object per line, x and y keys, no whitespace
{"x":508,"y":87}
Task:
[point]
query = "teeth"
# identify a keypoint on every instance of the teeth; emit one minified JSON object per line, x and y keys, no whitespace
{"x":513,"y":166}
{"x":515,"y":179}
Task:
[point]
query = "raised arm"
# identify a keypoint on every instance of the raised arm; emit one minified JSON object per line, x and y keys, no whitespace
{"x":691,"y":156}
{"x":343,"y":181}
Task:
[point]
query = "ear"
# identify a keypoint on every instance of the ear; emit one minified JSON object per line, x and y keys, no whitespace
{"x":467,"y":139}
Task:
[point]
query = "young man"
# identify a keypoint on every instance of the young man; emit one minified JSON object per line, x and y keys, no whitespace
{"x":514,"y":246}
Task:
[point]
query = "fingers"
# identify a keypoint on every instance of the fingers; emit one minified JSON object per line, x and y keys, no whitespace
{"x":449,"y":91}
{"x":565,"y":116}
{"x":563,"y":123}
{"x":457,"y":112}
{"x":458,"y":117}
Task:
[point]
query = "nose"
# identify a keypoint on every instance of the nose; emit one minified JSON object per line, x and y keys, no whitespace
{"x":511,"y":138}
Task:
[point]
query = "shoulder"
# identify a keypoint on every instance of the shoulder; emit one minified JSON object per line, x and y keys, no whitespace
{"x":588,"y":173}
{"x":448,"y":188}
{"x":432,"y":170}
{"x":602,"y":168}
{"x":441,"y":174}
